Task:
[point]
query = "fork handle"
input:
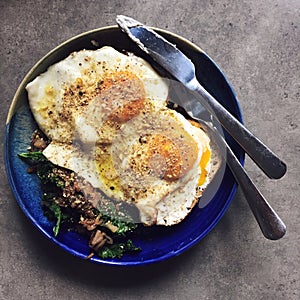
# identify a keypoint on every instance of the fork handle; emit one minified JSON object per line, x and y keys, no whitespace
{"x":268,"y":162}
{"x":269,"y":222}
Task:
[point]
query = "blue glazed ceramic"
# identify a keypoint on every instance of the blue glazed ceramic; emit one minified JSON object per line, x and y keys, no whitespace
{"x":157,"y":243}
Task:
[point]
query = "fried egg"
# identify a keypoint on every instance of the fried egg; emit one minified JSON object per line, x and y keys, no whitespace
{"x":90,"y":93}
{"x":107,"y":119}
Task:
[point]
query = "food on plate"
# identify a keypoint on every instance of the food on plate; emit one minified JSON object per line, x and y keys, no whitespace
{"x":70,"y":91}
{"x":109,"y":136}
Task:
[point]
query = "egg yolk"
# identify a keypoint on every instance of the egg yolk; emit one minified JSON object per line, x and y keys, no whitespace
{"x":165,"y":157}
{"x":203,"y":163}
{"x":122,"y":96}
{"x":205,"y":159}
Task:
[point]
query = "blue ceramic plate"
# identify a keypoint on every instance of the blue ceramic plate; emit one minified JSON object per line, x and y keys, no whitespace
{"x":157,"y":243}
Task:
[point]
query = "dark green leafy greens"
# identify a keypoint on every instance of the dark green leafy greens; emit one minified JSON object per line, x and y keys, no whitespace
{"x":118,"y":250}
{"x":82,"y":217}
{"x":58,"y":215}
{"x":43,"y":168}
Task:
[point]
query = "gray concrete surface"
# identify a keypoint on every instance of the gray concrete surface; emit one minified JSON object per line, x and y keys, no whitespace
{"x":256,"y":43}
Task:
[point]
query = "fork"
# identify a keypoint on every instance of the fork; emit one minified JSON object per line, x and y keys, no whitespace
{"x":268,"y":220}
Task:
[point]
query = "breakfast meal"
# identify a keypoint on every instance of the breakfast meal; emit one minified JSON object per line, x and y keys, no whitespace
{"x":110,"y":151}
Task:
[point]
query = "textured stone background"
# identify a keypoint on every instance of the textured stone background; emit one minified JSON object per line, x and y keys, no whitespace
{"x":256,"y":43}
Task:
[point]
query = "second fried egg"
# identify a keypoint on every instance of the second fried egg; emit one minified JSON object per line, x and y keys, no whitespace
{"x":156,"y":161}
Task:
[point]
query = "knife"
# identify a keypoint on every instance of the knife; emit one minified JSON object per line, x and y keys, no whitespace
{"x":181,"y":68}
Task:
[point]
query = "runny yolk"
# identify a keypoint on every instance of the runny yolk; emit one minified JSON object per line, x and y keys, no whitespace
{"x":205,"y":159}
{"x":203,"y":163}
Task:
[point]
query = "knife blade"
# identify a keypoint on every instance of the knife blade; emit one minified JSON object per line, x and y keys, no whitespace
{"x":182,"y":68}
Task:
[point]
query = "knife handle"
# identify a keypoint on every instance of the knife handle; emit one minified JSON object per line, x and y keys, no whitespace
{"x":268,"y":162}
